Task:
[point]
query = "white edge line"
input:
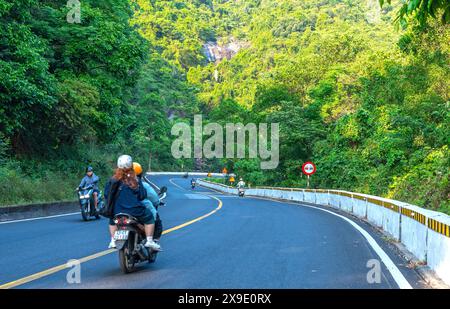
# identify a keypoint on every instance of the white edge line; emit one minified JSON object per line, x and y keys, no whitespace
{"x":151,"y":182}
{"x":40,"y":218}
{"x":56,"y":216}
{"x":393,"y":269}
{"x":176,"y":185}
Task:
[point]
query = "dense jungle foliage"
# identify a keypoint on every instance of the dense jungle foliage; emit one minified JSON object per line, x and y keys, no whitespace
{"x":361,"y":90}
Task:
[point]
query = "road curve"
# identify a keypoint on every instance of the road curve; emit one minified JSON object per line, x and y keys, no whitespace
{"x":245,"y":243}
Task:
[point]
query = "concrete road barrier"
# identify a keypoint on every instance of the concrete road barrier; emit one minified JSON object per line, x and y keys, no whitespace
{"x":8,"y":213}
{"x":359,"y":206}
{"x":438,"y":245}
{"x":425,"y":233}
{"x":414,"y":230}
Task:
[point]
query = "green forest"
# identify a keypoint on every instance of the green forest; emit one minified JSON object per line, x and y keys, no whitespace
{"x":361,"y":88}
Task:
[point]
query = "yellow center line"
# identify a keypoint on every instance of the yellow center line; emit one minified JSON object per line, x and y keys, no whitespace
{"x":58,"y":268}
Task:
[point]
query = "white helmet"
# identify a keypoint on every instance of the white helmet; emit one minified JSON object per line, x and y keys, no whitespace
{"x":124,"y":161}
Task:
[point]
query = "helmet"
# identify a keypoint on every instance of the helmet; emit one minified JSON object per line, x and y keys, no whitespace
{"x":89,"y":169}
{"x":137,"y":168}
{"x":124,"y":161}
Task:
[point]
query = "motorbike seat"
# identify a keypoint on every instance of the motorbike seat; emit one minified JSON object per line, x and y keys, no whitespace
{"x":132,"y":221}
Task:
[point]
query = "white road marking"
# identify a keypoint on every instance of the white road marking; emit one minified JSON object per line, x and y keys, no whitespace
{"x":176,"y":185}
{"x":152,"y":183}
{"x":197,"y":197}
{"x":56,"y":269}
{"x":40,"y":218}
{"x":390,"y":265}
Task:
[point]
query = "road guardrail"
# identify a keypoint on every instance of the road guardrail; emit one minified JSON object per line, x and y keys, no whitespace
{"x":425,"y":233}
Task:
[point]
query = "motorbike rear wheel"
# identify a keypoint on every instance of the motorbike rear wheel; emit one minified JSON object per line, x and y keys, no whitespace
{"x":126,"y":263}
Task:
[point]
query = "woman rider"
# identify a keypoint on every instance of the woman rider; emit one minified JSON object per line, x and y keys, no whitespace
{"x":128,"y":200}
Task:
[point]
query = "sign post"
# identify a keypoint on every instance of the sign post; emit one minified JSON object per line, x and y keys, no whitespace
{"x":308,"y":168}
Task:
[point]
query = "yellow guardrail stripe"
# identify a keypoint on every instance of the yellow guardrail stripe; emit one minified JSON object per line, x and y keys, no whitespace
{"x":434,"y":225}
{"x":439,"y":227}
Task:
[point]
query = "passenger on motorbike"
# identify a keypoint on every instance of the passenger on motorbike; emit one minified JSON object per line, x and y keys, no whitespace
{"x":128,"y":200}
{"x":152,"y":201}
{"x":90,"y":180}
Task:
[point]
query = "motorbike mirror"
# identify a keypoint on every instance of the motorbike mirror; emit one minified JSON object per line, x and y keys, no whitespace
{"x":163,"y":189}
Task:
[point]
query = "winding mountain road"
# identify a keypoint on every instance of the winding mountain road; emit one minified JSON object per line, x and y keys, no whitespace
{"x":211,"y":240}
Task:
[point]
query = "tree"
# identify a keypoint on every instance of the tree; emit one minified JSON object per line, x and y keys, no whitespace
{"x":422,"y":10}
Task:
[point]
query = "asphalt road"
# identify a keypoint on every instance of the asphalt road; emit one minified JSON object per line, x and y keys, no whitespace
{"x":246,"y":243}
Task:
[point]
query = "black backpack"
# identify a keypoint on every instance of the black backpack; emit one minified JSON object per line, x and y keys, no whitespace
{"x":107,"y":210}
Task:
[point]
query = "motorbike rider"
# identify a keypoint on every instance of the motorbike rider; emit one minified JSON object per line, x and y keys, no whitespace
{"x":90,"y":180}
{"x":241,"y":183}
{"x":152,"y":201}
{"x":193,"y":182}
{"x":128,"y":199}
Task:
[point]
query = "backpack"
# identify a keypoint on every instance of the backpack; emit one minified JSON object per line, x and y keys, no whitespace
{"x":107,"y":210}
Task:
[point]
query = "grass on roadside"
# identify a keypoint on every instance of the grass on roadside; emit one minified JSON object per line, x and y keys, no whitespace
{"x":17,"y":188}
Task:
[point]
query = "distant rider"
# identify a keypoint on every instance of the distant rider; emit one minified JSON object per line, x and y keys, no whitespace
{"x":90,"y":180}
{"x":241,"y":183}
{"x":193,"y":182}
{"x":128,"y":199}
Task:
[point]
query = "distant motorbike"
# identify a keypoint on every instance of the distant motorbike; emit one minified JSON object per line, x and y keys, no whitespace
{"x":193,"y":184}
{"x":241,"y":192}
{"x":87,"y":203}
{"x":130,"y":239}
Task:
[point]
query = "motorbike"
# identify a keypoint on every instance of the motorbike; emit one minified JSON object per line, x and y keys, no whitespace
{"x":241,"y":192}
{"x":193,"y":184}
{"x":130,"y":239}
{"x":86,"y":200}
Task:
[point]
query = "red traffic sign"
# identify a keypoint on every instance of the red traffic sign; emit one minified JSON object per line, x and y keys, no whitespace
{"x":308,"y":168}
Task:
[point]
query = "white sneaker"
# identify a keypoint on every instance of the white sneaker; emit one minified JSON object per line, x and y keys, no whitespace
{"x":152,"y":245}
{"x":112,"y":244}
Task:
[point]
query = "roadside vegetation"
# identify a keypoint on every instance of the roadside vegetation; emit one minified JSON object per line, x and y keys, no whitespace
{"x":361,"y":91}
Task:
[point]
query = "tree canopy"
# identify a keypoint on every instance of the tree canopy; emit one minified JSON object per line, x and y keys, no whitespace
{"x":367,"y":101}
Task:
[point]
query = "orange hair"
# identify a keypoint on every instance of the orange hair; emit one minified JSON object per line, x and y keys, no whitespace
{"x":126,"y":176}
